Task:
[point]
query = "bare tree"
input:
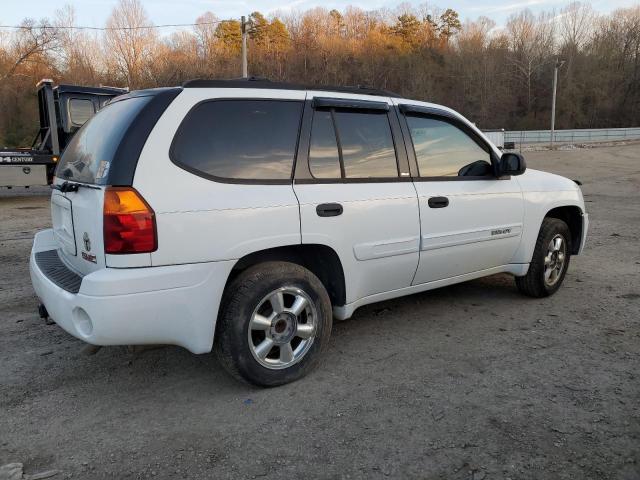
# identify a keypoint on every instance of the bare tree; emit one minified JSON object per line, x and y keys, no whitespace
{"x":130,"y":41}
{"x":205,"y":31}
{"x":576,"y":23}
{"x":27,"y":45}
{"x":532,"y":39}
{"x":79,"y":52}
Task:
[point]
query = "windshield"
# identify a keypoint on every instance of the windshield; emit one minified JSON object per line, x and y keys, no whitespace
{"x":89,"y":155}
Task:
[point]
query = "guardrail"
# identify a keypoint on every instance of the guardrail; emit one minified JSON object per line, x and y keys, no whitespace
{"x":572,"y":136}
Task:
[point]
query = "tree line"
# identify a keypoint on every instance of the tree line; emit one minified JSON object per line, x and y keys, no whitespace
{"x":499,"y":77}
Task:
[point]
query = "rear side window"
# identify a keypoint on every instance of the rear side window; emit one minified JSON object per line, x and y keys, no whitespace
{"x":367,"y":144}
{"x":362,"y":148}
{"x":251,"y":140}
{"x":90,"y":152}
{"x":324,"y":158}
{"x":444,"y":150}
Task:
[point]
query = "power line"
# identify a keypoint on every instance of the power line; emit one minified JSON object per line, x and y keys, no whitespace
{"x":141,"y":27}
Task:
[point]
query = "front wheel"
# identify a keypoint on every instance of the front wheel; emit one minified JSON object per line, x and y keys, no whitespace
{"x":550,"y":260}
{"x":274,"y":324}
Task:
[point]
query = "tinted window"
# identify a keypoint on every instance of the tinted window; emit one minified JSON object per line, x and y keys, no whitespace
{"x":443,"y":150}
{"x":240,"y":139}
{"x":80,"y":110}
{"x":324,"y":160}
{"x":88,"y":156}
{"x":367,"y":144}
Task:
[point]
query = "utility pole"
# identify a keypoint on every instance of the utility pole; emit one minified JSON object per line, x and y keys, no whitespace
{"x":553,"y":104}
{"x":244,"y":47}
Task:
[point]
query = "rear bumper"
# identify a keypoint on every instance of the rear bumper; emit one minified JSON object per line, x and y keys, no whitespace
{"x":176,"y":305}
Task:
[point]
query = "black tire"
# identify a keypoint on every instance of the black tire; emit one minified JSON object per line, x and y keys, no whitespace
{"x":243,"y":296}
{"x":533,"y":283}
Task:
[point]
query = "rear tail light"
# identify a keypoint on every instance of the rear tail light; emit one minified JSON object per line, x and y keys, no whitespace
{"x":129,"y":222}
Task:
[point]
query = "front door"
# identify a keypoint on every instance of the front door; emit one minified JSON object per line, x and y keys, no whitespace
{"x":470,"y":220}
{"x":353,"y":195}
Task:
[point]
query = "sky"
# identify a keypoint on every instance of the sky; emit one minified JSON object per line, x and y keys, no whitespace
{"x":94,"y":12}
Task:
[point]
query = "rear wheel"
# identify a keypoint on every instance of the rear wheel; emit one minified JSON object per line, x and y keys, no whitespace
{"x":275,"y":321}
{"x":550,"y":260}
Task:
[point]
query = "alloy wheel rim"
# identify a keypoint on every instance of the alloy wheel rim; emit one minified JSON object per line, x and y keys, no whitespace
{"x":555,"y":259}
{"x":282,"y":328}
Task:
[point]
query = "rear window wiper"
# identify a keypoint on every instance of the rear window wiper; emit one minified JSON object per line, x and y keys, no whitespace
{"x":72,"y":187}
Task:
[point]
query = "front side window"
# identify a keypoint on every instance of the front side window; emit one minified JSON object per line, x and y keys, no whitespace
{"x":239,"y":139}
{"x":444,"y":150}
{"x":362,"y":148}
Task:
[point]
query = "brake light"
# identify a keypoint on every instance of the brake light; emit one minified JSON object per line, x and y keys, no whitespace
{"x":129,"y":223}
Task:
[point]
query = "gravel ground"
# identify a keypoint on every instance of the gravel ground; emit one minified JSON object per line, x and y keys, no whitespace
{"x":472,"y":381}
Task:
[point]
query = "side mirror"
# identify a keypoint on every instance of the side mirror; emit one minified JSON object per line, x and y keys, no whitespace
{"x":512,"y":164}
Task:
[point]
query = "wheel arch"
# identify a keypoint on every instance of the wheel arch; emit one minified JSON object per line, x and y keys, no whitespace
{"x":572,"y":216}
{"x":320,"y":259}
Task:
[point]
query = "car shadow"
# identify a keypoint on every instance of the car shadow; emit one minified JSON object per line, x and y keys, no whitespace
{"x":160,"y":370}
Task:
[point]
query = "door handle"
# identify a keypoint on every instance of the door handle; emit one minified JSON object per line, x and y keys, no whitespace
{"x":438,"y":202}
{"x":329,"y":210}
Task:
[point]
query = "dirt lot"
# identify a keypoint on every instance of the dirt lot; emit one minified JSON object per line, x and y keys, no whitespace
{"x":472,"y":381}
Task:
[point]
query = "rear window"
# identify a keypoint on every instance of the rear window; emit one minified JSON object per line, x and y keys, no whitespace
{"x":251,"y":140}
{"x":91,"y":151}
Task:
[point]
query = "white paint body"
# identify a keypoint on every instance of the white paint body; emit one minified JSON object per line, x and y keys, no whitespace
{"x":389,"y":242}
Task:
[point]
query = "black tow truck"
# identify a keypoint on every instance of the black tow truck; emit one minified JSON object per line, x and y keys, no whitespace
{"x":63,"y":109}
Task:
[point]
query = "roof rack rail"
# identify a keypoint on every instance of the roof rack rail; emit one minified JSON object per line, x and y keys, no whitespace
{"x":260,"y":82}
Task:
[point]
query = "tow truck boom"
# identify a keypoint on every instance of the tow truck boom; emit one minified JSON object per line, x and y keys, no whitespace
{"x":63,"y":109}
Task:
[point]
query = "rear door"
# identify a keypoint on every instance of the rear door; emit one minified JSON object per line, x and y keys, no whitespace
{"x":76,"y":208}
{"x":77,"y":227}
{"x":470,"y":220}
{"x":355,"y":193}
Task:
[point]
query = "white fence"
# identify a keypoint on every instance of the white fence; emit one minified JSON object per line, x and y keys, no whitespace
{"x":496,"y":137}
{"x":573,"y":136}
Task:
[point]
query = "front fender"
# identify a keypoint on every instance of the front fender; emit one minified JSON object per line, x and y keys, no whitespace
{"x":536,"y":206}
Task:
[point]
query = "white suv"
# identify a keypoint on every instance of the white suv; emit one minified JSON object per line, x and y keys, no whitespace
{"x":252,"y":213}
